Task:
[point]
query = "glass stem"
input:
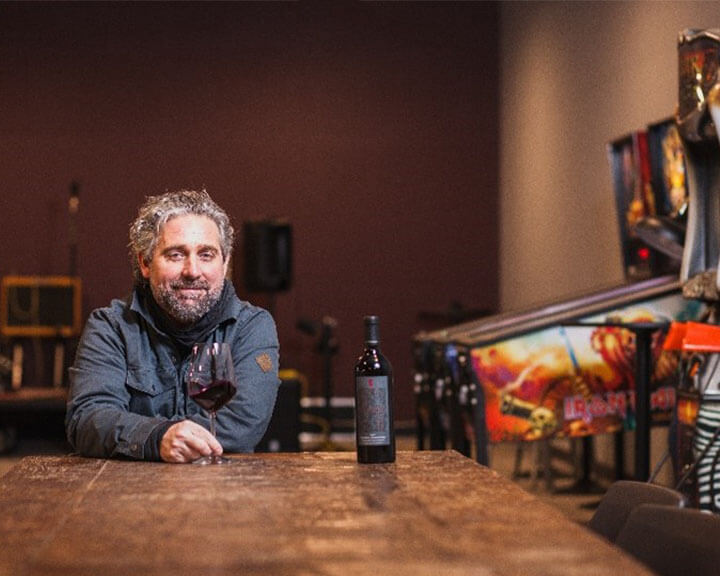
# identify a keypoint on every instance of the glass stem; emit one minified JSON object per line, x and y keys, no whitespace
{"x":212,"y":423}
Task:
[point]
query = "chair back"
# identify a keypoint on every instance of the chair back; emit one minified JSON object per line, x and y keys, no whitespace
{"x":673,"y":541}
{"x":625,"y":495}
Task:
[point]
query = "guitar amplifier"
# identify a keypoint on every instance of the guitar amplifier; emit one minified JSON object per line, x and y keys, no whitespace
{"x":283,"y":433}
{"x":40,"y":306}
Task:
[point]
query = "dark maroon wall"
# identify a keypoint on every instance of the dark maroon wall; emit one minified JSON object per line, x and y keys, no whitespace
{"x":372,"y":127}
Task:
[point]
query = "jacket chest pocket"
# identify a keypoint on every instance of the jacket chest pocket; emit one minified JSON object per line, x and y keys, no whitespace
{"x":152,"y":391}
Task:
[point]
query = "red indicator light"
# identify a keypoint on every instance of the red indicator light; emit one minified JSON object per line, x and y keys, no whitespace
{"x":643,"y":253}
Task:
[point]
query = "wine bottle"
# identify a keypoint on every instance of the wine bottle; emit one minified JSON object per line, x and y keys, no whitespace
{"x":374,"y":431}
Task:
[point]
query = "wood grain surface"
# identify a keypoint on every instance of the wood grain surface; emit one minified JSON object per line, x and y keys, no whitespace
{"x":430,"y":513}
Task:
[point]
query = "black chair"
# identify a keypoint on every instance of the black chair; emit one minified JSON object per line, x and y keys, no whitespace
{"x":622,"y":497}
{"x":673,"y":541}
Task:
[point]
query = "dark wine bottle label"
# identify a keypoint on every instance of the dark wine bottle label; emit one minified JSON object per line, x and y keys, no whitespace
{"x":373,"y":417}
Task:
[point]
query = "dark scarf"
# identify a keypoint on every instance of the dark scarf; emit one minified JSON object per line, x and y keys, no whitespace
{"x":185,"y":336}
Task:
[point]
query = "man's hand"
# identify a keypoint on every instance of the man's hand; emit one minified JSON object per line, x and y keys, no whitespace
{"x":187,"y":441}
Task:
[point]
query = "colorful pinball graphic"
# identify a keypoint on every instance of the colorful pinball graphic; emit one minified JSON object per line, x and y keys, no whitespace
{"x":576,"y":380}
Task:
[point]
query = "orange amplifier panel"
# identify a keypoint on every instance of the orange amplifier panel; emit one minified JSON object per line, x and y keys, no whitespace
{"x":40,"y":306}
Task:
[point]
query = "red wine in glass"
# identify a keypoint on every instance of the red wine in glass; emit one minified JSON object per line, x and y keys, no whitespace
{"x":211,"y":384}
{"x":213,"y":396}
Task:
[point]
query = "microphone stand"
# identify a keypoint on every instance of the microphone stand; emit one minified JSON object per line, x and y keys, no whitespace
{"x":327,"y":346}
{"x":73,"y":209}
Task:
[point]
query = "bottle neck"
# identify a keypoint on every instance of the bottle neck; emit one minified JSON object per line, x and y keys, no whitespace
{"x":372,"y":333}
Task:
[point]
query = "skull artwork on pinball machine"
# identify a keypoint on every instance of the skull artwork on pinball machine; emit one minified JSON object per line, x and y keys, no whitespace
{"x":694,"y":437}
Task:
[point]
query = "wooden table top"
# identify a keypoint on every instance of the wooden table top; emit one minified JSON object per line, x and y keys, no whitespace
{"x":429,"y":513}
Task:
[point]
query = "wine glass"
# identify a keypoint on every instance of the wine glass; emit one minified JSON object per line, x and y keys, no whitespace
{"x":211,"y":383}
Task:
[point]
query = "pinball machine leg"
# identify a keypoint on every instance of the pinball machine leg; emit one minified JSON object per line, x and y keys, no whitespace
{"x":542,"y":464}
{"x":482,"y":439}
{"x":517,"y":464}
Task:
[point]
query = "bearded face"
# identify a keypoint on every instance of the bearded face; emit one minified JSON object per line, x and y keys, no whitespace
{"x":187,"y":270}
{"x":186,"y":302}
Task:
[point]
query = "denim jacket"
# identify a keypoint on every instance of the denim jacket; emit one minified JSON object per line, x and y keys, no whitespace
{"x":128,"y":378}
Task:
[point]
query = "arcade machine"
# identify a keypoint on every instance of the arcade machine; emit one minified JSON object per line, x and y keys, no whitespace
{"x":593,"y":364}
{"x":696,"y":451}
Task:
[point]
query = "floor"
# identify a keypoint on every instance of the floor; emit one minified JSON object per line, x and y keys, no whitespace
{"x":565,"y":487}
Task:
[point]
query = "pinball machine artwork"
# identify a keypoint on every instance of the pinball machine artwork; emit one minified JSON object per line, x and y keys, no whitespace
{"x":568,"y":381}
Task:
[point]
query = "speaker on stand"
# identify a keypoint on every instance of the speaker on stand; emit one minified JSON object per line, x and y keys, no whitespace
{"x":267,"y":257}
{"x":267,"y":269}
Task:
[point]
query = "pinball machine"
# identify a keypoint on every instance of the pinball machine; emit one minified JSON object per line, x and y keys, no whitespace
{"x":697,"y":117}
{"x":566,"y":369}
{"x":596,"y":363}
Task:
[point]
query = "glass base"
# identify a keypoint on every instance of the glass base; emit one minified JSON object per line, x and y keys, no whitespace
{"x":211,"y":460}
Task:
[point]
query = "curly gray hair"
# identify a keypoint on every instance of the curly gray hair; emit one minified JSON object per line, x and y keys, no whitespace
{"x":158,"y":210}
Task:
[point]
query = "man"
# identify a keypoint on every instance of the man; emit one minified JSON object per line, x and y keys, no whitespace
{"x":128,"y":396}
